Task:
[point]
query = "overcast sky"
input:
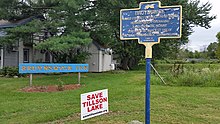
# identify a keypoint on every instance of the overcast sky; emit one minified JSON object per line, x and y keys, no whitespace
{"x":203,"y":37}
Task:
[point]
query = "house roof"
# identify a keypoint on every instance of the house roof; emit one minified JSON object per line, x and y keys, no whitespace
{"x":100,"y":47}
{"x":7,"y":24}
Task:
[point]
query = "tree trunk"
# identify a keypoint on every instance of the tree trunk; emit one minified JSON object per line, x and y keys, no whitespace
{"x":124,"y":63}
{"x":132,"y":63}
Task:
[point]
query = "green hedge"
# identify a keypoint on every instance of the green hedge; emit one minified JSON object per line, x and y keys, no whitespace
{"x":10,"y":72}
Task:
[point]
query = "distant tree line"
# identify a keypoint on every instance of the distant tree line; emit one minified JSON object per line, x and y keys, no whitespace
{"x":211,"y":52}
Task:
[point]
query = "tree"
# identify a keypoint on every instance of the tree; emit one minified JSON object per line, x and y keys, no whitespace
{"x":67,"y":48}
{"x":61,"y":19}
{"x":106,"y":27}
{"x":197,"y":54}
{"x":218,"y":48}
{"x":218,"y":36}
{"x":212,"y":50}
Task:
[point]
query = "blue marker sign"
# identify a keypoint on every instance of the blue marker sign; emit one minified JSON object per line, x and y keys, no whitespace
{"x":150,"y":22}
{"x":32,"y":68}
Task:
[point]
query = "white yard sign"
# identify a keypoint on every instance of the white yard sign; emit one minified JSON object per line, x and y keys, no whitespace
{"x":94,"y":104}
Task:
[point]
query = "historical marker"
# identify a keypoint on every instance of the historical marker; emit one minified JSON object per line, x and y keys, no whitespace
{"x":148,"y":24}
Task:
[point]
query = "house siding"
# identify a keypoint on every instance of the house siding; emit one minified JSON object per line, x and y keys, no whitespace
{"x":21,"y":53}
{"x":39,"y":57}
{"x":99,"y":61}
{"x":107,"y":61}
{"x":93,"y":60}
{"x":10,"y":58}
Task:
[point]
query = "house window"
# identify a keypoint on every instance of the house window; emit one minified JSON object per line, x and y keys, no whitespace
{"x":47,"y":57}
{"x":26,"y":55}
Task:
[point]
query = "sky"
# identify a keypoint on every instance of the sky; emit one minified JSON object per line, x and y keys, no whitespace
{"x":203,"y":37}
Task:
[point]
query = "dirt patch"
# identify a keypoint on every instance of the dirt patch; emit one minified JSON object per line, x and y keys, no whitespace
{"x":51,"y":88}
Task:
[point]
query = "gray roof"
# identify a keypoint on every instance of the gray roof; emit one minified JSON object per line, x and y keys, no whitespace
{"x":100,"y":47}
{"x":7,"y":24}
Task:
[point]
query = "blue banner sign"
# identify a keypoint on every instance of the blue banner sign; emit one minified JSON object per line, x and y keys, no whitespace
{"x":150,"y":22}
{"x":32,"y":68}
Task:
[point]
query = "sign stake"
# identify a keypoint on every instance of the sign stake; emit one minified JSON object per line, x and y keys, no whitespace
{"x":79,"y":78}
{"x":31,"y":77}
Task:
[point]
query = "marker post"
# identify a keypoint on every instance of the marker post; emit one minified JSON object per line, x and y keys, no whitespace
{"x":147,"y":98}
{"x":148,"y":56}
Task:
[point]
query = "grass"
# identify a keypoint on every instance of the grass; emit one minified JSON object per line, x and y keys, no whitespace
{"x":185,"y":105}
{"x":169,"y":105}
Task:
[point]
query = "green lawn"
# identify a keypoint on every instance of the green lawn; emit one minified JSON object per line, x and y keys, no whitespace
{"x":184,"y":105}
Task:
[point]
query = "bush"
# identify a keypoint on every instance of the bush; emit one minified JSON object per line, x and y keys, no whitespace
{"x":10,"y":71}
{"x":193,"y":61}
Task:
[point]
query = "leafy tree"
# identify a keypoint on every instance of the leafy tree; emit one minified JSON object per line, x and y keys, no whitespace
{"x":188,"y":54}
{"x":106,"y":27}
{"x":61,"y":19}
{"x":191,"y":54}
{"x":23,"y":33}
{"x":197,"y":54}
{"x":218,"y":48}
{"x":212,"y":49}
{"x":218,"y":36}
{"x":67,"y":48}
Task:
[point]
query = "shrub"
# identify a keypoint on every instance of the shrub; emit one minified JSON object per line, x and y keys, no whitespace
{"x":10,"y":71}
{"x":193,"y":61}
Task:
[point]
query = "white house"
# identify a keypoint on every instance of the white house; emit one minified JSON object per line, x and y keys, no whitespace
{"x":101,"y":58}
